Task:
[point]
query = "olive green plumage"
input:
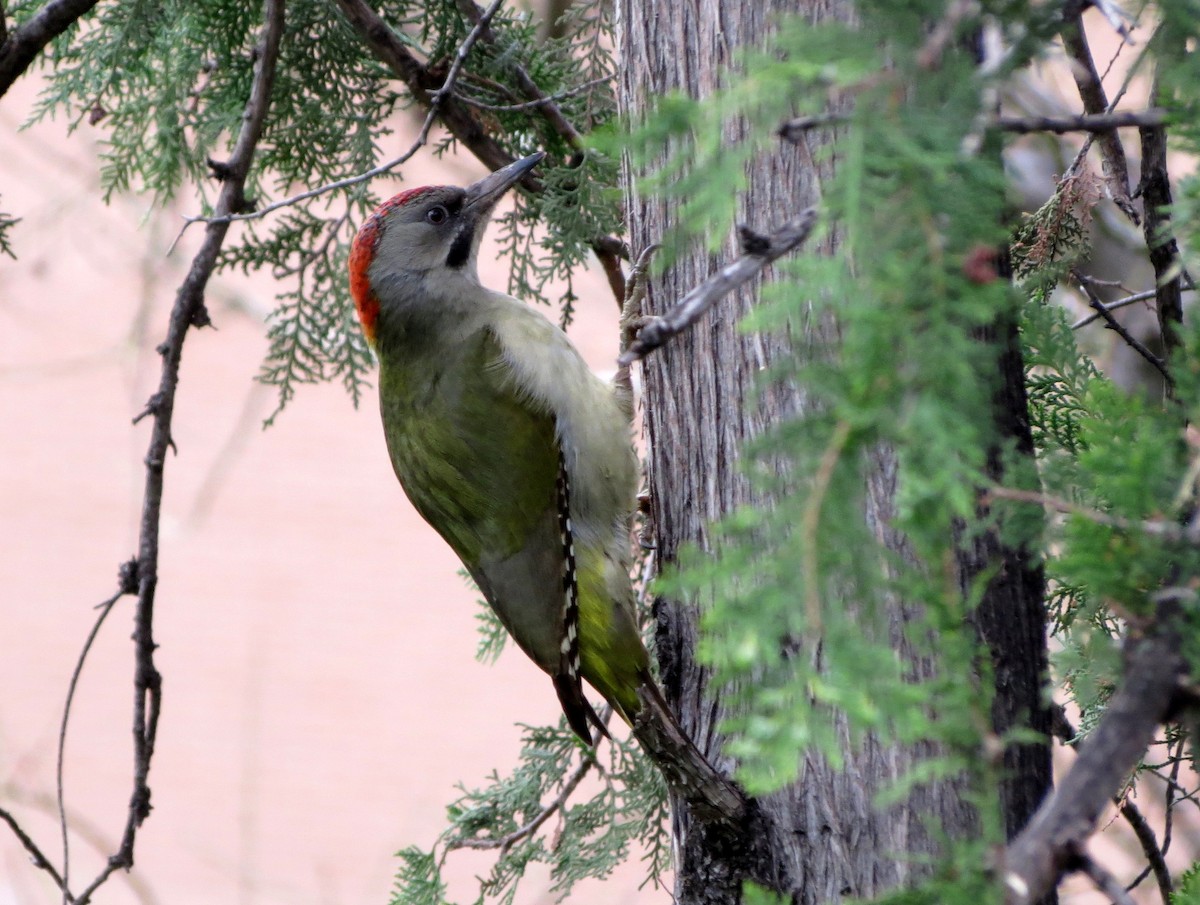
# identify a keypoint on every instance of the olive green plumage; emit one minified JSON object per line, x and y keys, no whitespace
{"x":505,"y":441}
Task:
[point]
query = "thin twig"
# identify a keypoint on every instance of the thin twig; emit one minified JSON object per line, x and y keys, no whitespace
{"x":1156,"y":856}
{"x":128,"y":572}
{"x":537,"y":102}
{"x":22,"y":46}
{"x":1113,"y":306}
{"x":188,"y":311}
{"x":1119,"y":328}
{"x":1160,"y":528}
{"x":1085,"y":122}
{"x":758,"y":252}
{"x":464,"y":51}
{"x":1185,"y":794}
{"x":282,"y":271}
{"x":1155,"y":862}
{"x":394,"y":53}
{"x":504,"y":843}
{"x":39,"y":858}
{"x":1105,"y":882}
{"x":127,"y":586}
{"x":1169,"y":800}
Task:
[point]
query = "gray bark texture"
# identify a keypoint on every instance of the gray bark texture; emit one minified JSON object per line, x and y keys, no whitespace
{"x":824,"y":838}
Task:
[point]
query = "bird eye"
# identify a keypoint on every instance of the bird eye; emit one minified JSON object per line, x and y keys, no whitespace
{"x":436,"y":215}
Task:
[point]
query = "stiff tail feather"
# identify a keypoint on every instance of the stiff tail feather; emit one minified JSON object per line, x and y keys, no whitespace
{"x":579,"y":712}
{"x":687,"y":771}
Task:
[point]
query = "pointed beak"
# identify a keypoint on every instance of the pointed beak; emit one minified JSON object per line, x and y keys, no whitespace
{"x":484,"y":194}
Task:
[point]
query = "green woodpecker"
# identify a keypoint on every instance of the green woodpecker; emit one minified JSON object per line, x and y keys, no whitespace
{"x":504,"y":441}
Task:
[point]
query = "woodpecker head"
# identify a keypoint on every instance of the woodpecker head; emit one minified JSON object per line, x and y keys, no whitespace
{"x":423,"y":238}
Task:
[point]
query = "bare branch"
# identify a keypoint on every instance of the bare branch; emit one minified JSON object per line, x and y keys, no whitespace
{"x":1160,"y":528}
{"x":1066,"y":733}
{"x":1156,"y":862}
{"x":188,"y":311}
{"x":1119,"y":328}
{"x":1091,"y":92}
{"x":39,"y":858}
{"x":1113,"y":306}
{"x":1086,"y":122}
{"x":1105,"y":882}
{"x":21,"y":47}
{"x":795,"y":129}
{"x":758,"y":252}
{"x":464,"y":50}
{"x":1048,"y":845}
{"x":1155,"y":190}
{"x":712,"y":798}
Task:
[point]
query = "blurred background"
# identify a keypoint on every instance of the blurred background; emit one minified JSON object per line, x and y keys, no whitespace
{"x":320,"y":693}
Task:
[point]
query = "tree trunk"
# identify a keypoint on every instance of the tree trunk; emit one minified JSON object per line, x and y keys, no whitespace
{"x":823,"y":838}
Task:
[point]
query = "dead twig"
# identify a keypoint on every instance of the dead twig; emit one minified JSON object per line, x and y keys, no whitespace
{"x":1155,"y":856}
{"x":1113,"y":306}
{"x":1156,"y":863}
{"x":1086,"y":122}
{"x":1115,"y":325}
{"x":757,"y":252}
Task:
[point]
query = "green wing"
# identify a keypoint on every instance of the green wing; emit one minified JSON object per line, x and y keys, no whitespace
{"x":480,"y":463}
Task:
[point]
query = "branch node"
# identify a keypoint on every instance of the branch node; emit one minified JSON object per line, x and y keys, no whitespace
{"x":200,"y":316}
{"x":220,"y":170}
{"x":154,"y":403}
{"x":127,"y":577}
{"x":753,"y":242}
